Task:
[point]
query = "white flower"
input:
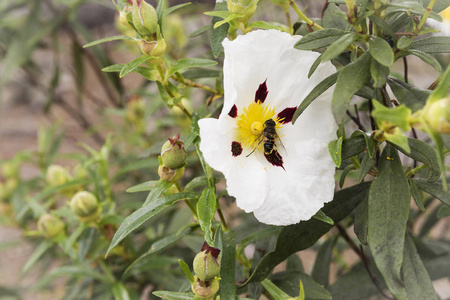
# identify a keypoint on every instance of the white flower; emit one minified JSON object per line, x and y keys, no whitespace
{"x":444,"y":26}
{"x":282,"y":180}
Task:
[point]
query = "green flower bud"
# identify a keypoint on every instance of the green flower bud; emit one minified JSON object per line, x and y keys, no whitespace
{"x":50,"y":226}
{"x":173,"y":154}
{"x":207,"y":263}
{"x":205,"y":289}
{"x":10,"y":169}
{"x":246,"y":8}
{"x":170,"y":175}
{"x":154,"y":48}
{"x":437,"y":116}
{"x":144,"y":17}
{"x":56,"y":175}
{"x":80,"y":172}
{"x":85,"y":206}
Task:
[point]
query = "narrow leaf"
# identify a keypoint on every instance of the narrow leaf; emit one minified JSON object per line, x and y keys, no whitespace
{"x":339,"y":46}
{"x":136,"y":219}
{"x":227,"y":268}
{"x":366,"y":165}
{"x":128,"y":68}
{"x":321,"y":269}
{"x":352,"y":78}
{"x":434,"y":189}
{"x":389,"y":198}
{"x":217,"y":35}
{"x":433,"y":44}
{"x":38,"y":252}
{"x":206,"y":209}
{"x":186,"y":270}
{"x":319,"y":39}
{"x":187,"y":63}
{"x":109,"y":39}
{"x":413,"y":97}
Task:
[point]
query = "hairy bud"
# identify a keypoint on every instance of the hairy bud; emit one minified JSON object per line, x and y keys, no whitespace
{"x":85,"y":205}
{"x":50,"y":226}
{"x":207,"y":263}
{"x":437,"y":116}
{"x":246,"y":8}
{"x":144,"y":18}
{"x":205,"y":289}
{"x":56,"y":175}
{"x":170,"y":175}
{"x":173,"y":154}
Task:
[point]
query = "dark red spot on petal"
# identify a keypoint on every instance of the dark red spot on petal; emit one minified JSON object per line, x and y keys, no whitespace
{"x":286,"y":115}
{"x":236,"y":148}
{"x":233,"y":112}
{"x":261,"y":92}
{"x":274,"y":158}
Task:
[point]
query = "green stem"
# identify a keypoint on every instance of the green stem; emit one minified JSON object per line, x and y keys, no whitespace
{"x":302,"y":16}
{"x":414,"y":171}
{"x":188,"y":203}
{"x":425,"y":15}
{"x":222,"y":219}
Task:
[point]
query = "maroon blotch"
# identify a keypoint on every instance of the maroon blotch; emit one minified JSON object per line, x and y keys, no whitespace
{"x":233,"y":112}
{"x":236,"y":148}
{"x":261,"y":92}
{"x":275,"y":159}
{"x":285,"y":116}
{"x":208,"y":249}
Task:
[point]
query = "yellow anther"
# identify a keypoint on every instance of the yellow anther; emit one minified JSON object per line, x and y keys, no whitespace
{"x":257,"y":128}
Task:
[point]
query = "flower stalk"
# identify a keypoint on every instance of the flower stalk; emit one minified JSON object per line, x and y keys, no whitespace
{"x":303,"y":16}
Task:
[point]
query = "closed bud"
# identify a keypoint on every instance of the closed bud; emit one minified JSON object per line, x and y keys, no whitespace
{"x":50,"y":226}
{"x":173,"y":154}
{"x":144,"y":18}
{"x":207,"y":263}
{"x":205,"y":289}
{"x":10,"y":169}
{"x":170,"y":175}
{"x":246,"y":8}
{"x":85,"y":206}
{"x":437,"y":116}
{"x":56,"y":175}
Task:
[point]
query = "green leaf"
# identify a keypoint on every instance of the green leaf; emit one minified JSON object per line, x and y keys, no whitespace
{"x":370,"y":142}
{"x":416,"y":194}
{"x":187,"y":63}
{"x":157,"y":190}
{"x":443,"y":212}
{"x":379,"y":74}
{"x":417,"y":281}
{"x":289,"y":281}
{"x":217,"y":35}
{"x":339,"y":46}
{"x":303,"y":235}
{"x":353,"y":146}
{"x":366,"y":165}
{"x":381,"y":51}
{"x":398,"y":115}
{"x":79,"y":271}
{"x":404,"y":42}
{"x":227,"y":266}
{"x":319,"y":39}
{"x":435,"y":189}
{"x":383,"y":25}
{"x":344,"y":174}
{"x":227,"y":20}
{"x":195,"y":73}
{"x":425,"y":57}
{"x":413,"y":97}
{"x":174,"y":295}
{"x":432,"y":44}
{"x":442,"y":88}
{"x":274,"y":291}
{"x":389,"y":198}
{"x":333,"y":17}
{"x":132,"y":65}
{"x":120,"y":291}
{"x":361,"y":221}
{"x":145,"y":186}
{"x":321,"y":216}
{"x":159,"y":246}
{"x":186,"y":270}
{"x":37,"y":253}
{"x":352,"y":78}
{"x":316,"y":92}
{"x":335,"y":150}
{"x":206,"y":209}
{"x":426,"y":154}
{"x":113,"y":68}
{"x":174,"y":8}
{"x":264,"y":25}
{"x":109,"y":39}
{"x":321,"y":269}
{"x":136,"y":219}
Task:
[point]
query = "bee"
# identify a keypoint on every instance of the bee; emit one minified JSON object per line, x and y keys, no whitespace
{"x":268,"y":137}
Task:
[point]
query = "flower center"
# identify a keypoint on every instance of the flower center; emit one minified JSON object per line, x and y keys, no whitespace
{"x":251,"y":124}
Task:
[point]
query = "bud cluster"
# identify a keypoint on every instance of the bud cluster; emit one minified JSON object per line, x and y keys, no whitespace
{"x":207,"y":270}
{"x":172,"y":160}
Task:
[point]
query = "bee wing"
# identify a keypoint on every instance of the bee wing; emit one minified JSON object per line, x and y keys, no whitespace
{"x":280,"y":145}
{"x":259,"y":139}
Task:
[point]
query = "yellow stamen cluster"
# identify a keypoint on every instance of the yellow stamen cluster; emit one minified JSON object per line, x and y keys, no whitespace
{"x":251,"y":124}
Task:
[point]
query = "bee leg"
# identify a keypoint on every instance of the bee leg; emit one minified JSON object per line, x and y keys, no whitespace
{"x":251,"y":152}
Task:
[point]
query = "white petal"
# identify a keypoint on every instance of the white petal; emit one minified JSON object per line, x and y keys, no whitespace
{"x":246,"y":179}
{"x":299,"y":192}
